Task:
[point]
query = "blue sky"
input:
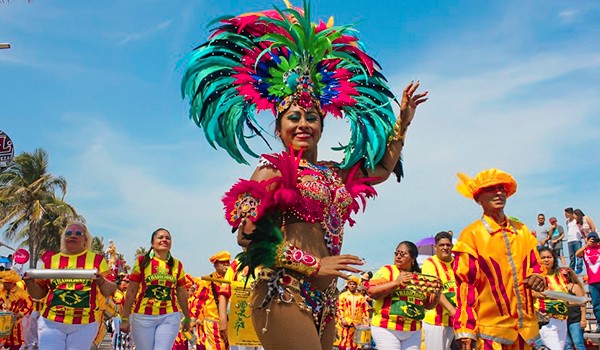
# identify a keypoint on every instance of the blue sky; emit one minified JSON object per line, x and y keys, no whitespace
{"x":513,"y":85}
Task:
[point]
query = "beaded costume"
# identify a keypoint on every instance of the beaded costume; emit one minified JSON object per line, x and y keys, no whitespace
{"x":271,"y":60}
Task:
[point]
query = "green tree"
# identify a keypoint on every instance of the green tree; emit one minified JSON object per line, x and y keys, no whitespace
{"x":32,"y":203}
{"x":97,"y":245}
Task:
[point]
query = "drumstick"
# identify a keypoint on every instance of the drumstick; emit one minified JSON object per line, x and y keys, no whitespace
{"x":211,"y":279}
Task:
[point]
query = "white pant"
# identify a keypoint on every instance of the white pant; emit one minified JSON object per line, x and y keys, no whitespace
{"x":35,"y":315}
{"x":554,"y":334}
{"x":155,"y":332}
{"x":62,"y":336}
{"x":437,"y":337}
{"x":387,"y":339}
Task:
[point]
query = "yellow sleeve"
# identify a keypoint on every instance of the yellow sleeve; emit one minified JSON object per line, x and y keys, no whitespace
{"x":428,"y":268}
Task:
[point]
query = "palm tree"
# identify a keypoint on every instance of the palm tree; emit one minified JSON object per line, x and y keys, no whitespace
{"x":140,"y":251}
{"x":29,"y":204}
{"x":97,"y":245}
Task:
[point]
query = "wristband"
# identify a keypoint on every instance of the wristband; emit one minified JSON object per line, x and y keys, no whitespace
{"x":293,"y":258}
{"x":186,"y":320}
{"x":126,"y":319}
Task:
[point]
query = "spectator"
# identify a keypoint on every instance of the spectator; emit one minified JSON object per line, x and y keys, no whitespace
{"x":576,"y":322}
{"x":542,"y":231}
{"x":573,"y":241}
{"x":591,"y":256}
{"x":585,"y":223}
{"x":557,"y":233}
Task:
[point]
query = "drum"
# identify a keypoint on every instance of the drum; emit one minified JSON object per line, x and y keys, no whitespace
{"x":99,"y":336}
{"x":110,"y":309}
{"x":362,"y":336}
{"x":7,"y":321}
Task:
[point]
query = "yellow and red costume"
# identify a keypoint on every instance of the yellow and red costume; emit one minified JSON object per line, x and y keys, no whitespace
{"x":554,"y":308}
{"x":433,"y":266}
{"x":402,"y":310}
{"x":352,"y":307}
{"x":158,"y":286}
{"x":73,"y":301}
{"x":205,"y":310}
{"x":181,"y":342}
{"x":491,"y":263}
{"x":17,"y":301}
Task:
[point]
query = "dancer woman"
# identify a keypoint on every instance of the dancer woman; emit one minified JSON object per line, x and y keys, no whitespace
{"x":399,"y":309}
{"x":157,"y":287}
{"x":68,"y":320}
{"x":554,"y":329}
{"x":291,"y":213}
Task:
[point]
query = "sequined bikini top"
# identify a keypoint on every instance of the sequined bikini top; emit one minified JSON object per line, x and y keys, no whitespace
{"x":324,"y":199}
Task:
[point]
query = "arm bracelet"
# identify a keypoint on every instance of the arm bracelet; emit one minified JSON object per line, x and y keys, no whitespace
{"x":398,"y":135}
{"x":293,"y":258}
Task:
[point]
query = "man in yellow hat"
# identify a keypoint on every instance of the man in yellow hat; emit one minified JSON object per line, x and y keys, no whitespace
{"x":496,"y":267}
{"x":212,"y":330}
{"x":16,"y":300}
{"x":352,"y":311}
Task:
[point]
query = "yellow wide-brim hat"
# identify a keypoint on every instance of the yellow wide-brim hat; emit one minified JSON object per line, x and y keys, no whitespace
{"x":9,"y":276}
{"x":470,"y":187}
{"x":220,"y":256}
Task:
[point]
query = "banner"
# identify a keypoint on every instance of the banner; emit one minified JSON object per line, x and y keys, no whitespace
{"x":240,"y":329}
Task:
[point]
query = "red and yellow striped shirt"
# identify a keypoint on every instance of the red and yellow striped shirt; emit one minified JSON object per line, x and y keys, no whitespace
{"x":402,"y":310}
{"x":554,"y":308}
{"x":72,"y":300}
{"x":157,"y":294}
{"x":433,"y":266}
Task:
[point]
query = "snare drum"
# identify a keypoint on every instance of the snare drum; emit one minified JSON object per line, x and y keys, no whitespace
{"x":362,"y":336}
{"x":7,"y":321}
{"x":110,"y":309}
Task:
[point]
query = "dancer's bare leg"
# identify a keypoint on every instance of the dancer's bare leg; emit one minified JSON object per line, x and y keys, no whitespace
{"x":288,"y":327}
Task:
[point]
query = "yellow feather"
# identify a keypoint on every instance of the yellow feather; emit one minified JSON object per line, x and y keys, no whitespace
{"x":330,"y":22}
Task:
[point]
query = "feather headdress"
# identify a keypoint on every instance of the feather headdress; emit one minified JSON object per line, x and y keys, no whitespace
{"x":271,"y":59}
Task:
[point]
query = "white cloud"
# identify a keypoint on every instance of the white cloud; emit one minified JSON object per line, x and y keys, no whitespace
{"x":145,"y":34}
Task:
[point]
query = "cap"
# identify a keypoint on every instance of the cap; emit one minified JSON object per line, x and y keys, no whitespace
{"x":553,"y":220}
{"x":592,"y":235}
{"x":220,"y":256}
{"x":470,"y":187}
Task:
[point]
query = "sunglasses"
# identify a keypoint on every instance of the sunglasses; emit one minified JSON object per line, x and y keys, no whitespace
{"x":401,"y":254}
{"x":75,"y":233}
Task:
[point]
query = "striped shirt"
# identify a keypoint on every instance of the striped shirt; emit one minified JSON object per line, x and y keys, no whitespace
{"x":403,"y":309}
{"x":433,"y":266}
{"x":554,"y":308}
{"x":72,"y":300}
{"x":204,"y":305}
{"x":158,"y":286}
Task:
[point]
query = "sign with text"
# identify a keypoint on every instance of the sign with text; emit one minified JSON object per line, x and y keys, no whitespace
{"x":7,"y":151}
{"x":21,"y":256}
